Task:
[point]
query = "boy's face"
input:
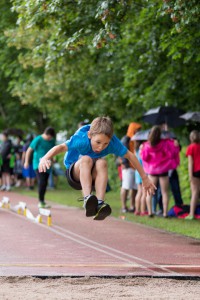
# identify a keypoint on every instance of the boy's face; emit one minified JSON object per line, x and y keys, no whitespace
{"x":99,"y":142}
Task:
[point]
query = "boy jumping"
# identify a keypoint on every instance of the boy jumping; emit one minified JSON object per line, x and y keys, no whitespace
{"x":86,"y":166}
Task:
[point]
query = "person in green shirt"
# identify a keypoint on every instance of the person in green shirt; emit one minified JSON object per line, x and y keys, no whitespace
{"x":39,"y":147}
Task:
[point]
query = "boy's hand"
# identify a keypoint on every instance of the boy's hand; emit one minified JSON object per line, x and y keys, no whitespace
{"x":44,"y":165}
{"x":148,"y":186}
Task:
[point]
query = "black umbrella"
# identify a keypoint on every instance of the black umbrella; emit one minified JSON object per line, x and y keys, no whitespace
{"x":191,"y":116}
{"x":143,"y":135}
{"x":164,"y":115}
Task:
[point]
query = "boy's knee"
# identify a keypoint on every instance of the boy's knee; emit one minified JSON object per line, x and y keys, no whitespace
{"x":102,"y":163}
{"x":86,"y":160}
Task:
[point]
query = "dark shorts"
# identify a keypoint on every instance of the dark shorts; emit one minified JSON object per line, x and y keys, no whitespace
{"x":160,"y":175}
{"x":5,"y":168}
{"x":72,"y":182}
{"x":196,"y":174}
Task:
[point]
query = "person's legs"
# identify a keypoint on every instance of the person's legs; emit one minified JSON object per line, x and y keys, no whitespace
{"x":3,"y":181}
{"x":100,"y":177}
{"x":175,"y":187}
{"x":143,"y":203}
{"x":82,"y":172}
{"x":138,"y":197}
{"x":8,"y":181}
{"x":195,"y":189}
{"x":133,"y":194}
{"x":123,"y":194}
{"x":154,"y":179}
{"x":164,"y":185}
{"x":42,"y":184}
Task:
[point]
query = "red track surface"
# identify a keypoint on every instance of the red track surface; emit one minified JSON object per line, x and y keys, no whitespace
{"x":78,"y":246}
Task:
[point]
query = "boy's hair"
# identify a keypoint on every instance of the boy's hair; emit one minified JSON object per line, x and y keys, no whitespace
{"x":102,"y":125}
{"x":50,"y":131}
{"x":155,"y":135}
{"x":194,"y":136}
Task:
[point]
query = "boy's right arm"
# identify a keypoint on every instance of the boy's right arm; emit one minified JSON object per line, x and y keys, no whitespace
{"x":45,"y":162}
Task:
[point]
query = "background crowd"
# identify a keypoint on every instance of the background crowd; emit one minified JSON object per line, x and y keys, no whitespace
{"x":157,"y":151}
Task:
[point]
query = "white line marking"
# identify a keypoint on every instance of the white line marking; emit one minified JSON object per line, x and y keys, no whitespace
{"x":115,"y":250}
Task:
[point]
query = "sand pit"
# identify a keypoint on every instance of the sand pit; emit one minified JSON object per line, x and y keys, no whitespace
{"x":97,"y":288}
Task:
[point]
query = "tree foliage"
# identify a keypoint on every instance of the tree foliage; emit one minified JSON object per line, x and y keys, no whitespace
{"x":72,"y":60}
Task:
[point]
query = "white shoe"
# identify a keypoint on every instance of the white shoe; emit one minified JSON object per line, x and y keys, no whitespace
{"x":8,"y":188}
{"x":3,"y":188}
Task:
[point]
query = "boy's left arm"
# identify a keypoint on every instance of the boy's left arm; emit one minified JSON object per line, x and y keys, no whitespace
{"x":148,"y":185}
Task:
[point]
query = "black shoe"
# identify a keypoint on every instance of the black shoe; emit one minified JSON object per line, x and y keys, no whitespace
{"x":90,"y":205}
{"x":104,"y":210}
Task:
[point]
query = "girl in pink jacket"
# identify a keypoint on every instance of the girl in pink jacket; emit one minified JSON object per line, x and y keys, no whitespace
{"x":159,"y":156}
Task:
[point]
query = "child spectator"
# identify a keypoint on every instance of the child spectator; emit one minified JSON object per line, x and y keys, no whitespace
{"x":193,"y":154}
{"x":29,"y":174}
{"x":86,"y":166}
{"x":140,"y":199}
{"x":18,"y":150}
{"x":40,"y":146}
{"x":127,"y":171}
{"x":159,"y":156}
{"x":5,"y":153}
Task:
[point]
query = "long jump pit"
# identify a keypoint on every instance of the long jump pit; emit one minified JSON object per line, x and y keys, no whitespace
{"x":78,"y":258}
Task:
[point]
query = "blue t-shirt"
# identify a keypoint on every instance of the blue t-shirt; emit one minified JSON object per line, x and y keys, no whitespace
{"x":79,"y":144}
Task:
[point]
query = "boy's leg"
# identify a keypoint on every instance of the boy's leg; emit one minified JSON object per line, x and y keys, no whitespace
{"x":81,"y":172}
{"x":100,"y":176}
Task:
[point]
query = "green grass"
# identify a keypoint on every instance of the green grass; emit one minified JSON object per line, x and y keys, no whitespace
{"x":67,"y":196}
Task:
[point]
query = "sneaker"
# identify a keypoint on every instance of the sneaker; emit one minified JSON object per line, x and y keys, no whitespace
{"x":3,"y":188}
{"x":189,"y":217}
{"x":144,"y":214}
{"x":137,"y":213}
{"x":90,"y":205}
{"x":124,"y":210}
{"x":104,"y":210}
{"x":43,"y":205}
{"x":8,"y":188}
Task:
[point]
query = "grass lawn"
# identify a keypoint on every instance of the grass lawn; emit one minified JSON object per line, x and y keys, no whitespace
{"x":67,"y":196}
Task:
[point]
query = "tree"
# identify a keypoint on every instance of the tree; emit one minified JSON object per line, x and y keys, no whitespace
{"x":79,"y":59}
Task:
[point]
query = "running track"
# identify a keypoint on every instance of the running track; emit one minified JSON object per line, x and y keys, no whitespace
{"x":78,"y":246}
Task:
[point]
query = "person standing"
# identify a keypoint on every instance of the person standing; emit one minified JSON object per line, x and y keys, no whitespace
{"x":29,"y":173}
{"x":193,"y":154}
{"x":159,"y":156}
{"x":5,"y":153}
{"x":40,"y":146}
{"x":128,"y":173}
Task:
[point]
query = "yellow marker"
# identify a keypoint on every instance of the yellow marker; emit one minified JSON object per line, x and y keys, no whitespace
{"x":49,"y":221}
{"x":25,"y":211}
